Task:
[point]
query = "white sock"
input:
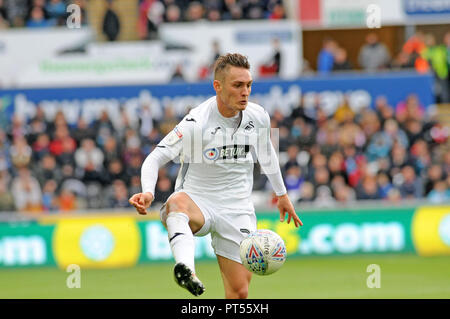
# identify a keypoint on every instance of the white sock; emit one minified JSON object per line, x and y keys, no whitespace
{"x":181,"y":239}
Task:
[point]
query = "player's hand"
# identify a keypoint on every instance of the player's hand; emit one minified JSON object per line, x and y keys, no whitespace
{"x":141,"y":202}
{"x":285,"y":206}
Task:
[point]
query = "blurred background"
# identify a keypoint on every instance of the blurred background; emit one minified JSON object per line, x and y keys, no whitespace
{"x":358,"y":91}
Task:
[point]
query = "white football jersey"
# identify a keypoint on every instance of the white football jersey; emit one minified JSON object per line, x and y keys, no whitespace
{"x":217,"y":154}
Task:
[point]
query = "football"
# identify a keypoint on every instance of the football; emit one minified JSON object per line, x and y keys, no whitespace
{"x":263,"y":252}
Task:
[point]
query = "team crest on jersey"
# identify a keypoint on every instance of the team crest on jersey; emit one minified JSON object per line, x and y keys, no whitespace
{"x":249,"y":127}
{"x":211,"y":154}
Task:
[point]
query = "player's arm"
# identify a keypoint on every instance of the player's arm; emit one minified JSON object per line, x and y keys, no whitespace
{"x":268,"y":160}
{"x":169,"y":148}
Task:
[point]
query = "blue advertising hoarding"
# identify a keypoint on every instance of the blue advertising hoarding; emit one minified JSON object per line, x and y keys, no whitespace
{"x":359,"y":89}
{"x":425,"y":7}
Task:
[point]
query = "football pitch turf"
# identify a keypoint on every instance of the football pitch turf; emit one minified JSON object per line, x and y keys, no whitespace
{"x":401,"y":276}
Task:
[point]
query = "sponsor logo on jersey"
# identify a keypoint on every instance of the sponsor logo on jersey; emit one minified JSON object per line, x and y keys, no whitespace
{"x":233,"y":151}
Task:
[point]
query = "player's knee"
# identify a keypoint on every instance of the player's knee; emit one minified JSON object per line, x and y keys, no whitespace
{"x":240,"y":293}
{"x":177,"y":203}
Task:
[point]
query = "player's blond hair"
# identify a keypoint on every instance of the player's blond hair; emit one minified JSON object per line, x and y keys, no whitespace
{"x":229,"y":59}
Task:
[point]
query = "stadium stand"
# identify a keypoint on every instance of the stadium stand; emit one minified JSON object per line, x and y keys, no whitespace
{"x":390,"y":153}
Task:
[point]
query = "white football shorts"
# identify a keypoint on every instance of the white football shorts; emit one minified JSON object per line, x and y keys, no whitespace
{"x":227,"y":225}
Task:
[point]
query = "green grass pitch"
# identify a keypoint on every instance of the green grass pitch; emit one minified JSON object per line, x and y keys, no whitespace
{"x":402,"y":276}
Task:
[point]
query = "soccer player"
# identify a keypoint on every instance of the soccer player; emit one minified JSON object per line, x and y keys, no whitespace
{"x":217,"y":143}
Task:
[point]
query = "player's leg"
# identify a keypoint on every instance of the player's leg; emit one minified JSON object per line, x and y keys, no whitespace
{"x":236,"y":279}
{"x":183,"y":218}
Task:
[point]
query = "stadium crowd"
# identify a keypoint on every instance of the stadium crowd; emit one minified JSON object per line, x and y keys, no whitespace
{"x":422,"y":52}
{"x":38,"y":13}
{"x":387,"y":153}
{"x":48,"y":13}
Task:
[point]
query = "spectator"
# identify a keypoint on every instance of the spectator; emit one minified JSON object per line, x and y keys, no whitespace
{"x":163,"y":189}
{"x":67,"y":154}
{"x":37,"y":19}
{"x":411,"y":186}
{"x":70,"y":182}
{"x":383,"y":109}
{"x":4,"y":17}
{"x":82,"y":131}
{"x":26,"y":191}
{"x":111,"y":22}
{"x":49,"y":196}
{"x":132,"y":148}
{"x":62,"y":142}
{"x":48,"y":170}
{"x":293,"y":178}
{"x":213,"y":15}
{"x":368,"y":189}
{"x":341,"y":62}
{"x":33,"y":4}
{"x":172,"y":14}
{"x":58,"y":121}
{"x":151,"y":15}
{"x":440,"y":193}
{"x":253,"y":9}
{"x":345,"y":195}
{"x":169,"y":121}
{"x":402,"y":60}
{"x":447,"y":47}
{"x":435,"y":173}
{"x":35,"y":128}
{"x":325,"y":60}
{"x":195,"y":11}
{"x":384,"y":185}
{"x":321,"y":177}
{"x":6,"y":197}
{"x":20,"y":152}
{"x":118,"y":195}
{"x":103,"y":128}
{"x":306,"y":192}
{"x":336,"y":165}
{"x":414,"y":47}
{"x":373,"y":55}
{"x":17,"y":127}
{"x":135,"y":185}
{"x":67,"y":201}
{"x":134,"y":167}
{"x":232,"y":10}
{"x":111,"y":151}
{"x":56,"y":11}
{"x":3,"y":23}
{"x":272,"y":67}
{"x":414,"y":130}
{"x":436,"y":55}
{"x":278,"y":12}
{"x":5,"y":158}
{"x":324,"y":197}
{"x":292,"y":153}
{"x":89,"y":157}
{"x":177,"y":75}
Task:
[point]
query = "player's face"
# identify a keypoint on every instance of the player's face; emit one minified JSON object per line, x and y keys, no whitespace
{"x":234,"y":89}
